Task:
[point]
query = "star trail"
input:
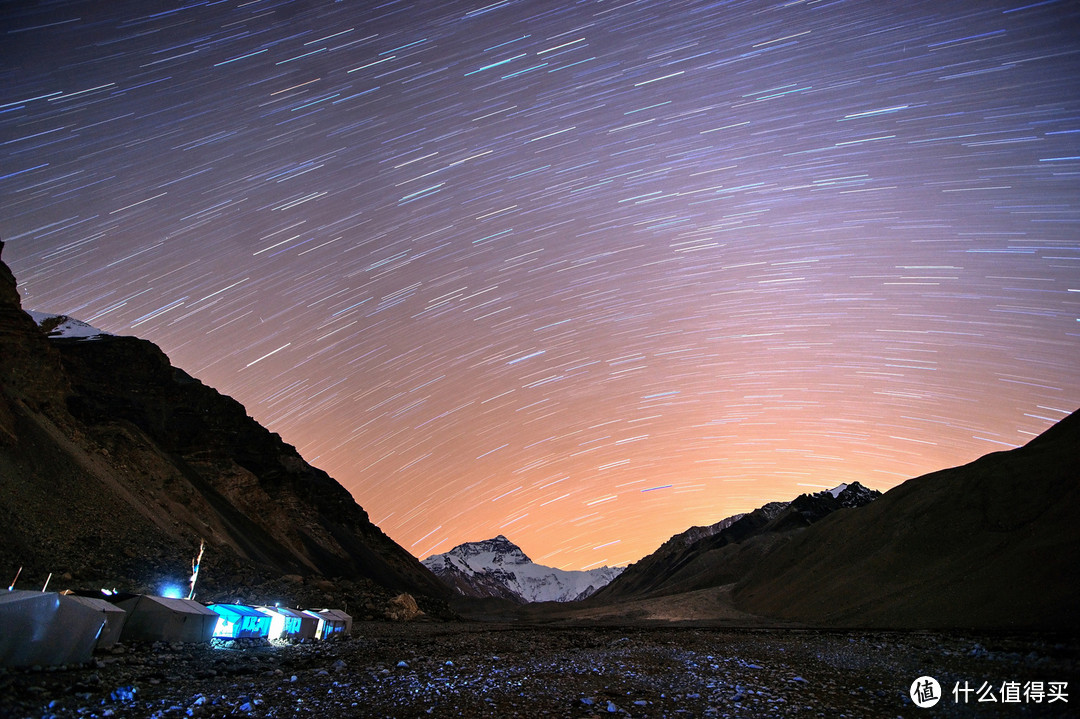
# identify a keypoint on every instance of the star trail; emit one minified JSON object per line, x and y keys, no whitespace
{"x":583,"y":274}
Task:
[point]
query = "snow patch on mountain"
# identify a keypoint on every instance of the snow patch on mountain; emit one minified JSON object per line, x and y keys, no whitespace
{"x":498,"y":568}
{"x":62,"y":326}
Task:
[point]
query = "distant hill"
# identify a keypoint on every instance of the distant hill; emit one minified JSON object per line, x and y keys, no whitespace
{"x":498,"y":568}
{"x":114,"y":464}
{"x":687,"y":561}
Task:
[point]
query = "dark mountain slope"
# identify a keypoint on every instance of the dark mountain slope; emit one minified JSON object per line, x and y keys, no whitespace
{"x":717,"y":557}
{"x":113,"y":465}
{"x":994,"y":543}
{"x":646,"y":573}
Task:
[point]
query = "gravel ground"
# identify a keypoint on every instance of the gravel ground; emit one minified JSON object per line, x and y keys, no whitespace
{"x":481,"y":670}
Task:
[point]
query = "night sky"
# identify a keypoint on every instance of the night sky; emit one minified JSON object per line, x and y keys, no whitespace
{"x":580,"y":273}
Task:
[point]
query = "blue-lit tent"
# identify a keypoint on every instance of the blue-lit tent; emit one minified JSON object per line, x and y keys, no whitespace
{"x":288,"y":623}
{"x":238,"y":621}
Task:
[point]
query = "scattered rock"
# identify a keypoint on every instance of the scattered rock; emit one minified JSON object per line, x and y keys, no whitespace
{"x":407,"y":669}
{"x":123,"y":694}
{"x":403,"y":608}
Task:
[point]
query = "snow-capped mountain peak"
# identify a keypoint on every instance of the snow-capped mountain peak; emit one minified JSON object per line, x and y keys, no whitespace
{"x":497,"y":551}
{"x":856,"y":495}
{"x":499,"y":568}
{"x":853,"y":495}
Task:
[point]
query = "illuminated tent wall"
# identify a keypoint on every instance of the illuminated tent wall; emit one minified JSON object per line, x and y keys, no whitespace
{"x":288,"y":623}
{"x":158,"y":619}
{"x":332,"y":621}
{"x":46,"y":628}
{"x":238,"y":621}
{"x":115,"y":619}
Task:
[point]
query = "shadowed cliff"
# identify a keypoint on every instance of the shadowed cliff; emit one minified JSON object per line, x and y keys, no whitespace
{"x":114,"y":464}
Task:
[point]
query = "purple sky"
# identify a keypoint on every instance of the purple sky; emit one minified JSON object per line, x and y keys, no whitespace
{"x":583,"y":274}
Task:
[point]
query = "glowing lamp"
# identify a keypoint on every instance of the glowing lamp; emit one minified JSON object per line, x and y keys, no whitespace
{"x":171,"y":591}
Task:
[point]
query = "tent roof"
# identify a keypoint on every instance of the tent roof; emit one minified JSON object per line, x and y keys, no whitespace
{"x":238,"y":609}
{"x":94,"y":603}
{"x":180,"y":606}
{"x":16,"y":596}
{"x":337,"y":614}
{"x":285,"y":611}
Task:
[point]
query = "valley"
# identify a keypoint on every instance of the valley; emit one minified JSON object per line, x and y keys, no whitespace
{"x":831,"y":604}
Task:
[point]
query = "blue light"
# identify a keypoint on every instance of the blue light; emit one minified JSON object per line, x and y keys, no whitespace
{"x":171,"y":591}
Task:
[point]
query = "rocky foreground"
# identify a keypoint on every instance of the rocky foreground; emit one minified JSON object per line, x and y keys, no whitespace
{"x":470,"y":670}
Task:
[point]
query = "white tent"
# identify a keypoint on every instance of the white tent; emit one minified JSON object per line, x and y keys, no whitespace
{"x":46,"y":628}
{"x":288,"y":623}
{"x":332,"y":621}
{"x":320,"y":625}
{"x":159,"y":619}
{"x":115,"y":618}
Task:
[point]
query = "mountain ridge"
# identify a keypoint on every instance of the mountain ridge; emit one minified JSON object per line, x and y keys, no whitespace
{"x":992,"y":543}
{"x":669,"y":569}
{"x":989,"y":545}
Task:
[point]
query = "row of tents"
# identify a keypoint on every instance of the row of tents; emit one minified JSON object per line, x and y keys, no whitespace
{"x":50,"y":628}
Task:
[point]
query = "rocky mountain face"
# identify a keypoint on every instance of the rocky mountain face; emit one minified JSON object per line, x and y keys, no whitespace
{"x":498,"y":568}
{"x":679,"y":563}
{"x":30,"y":372}
{"x":114,"y":464}
{"x":682,"y":540}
